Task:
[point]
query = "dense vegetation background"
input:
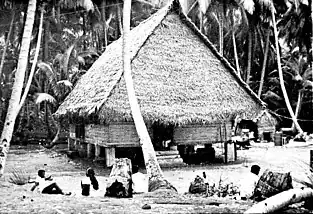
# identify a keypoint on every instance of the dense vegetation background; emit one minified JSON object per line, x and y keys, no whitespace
{"x":75,"y":33}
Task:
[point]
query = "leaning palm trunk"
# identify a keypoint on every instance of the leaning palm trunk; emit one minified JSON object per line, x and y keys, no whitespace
{"x":18,"y":86}
{"x":234,"y":42}
{"x":156,"y":177}
{"x":264,"y":62}
{"x":57,"y":124}
{"x":32,"y":70}
{"x":6,"y":43}
{"x":281,"y":78}
{"x":221,"y":32}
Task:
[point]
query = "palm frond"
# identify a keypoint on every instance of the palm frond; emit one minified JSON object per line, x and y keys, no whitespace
{"x":272,"y":96}
{"x":59,"y":58}
{"x":307,"y":74}
{"x":308,"y":83}
{"x":45,"y":67}
{"x":81,"y":60}
{"x":89,"y":53}
{"x":47,"y":70}
{"x":66,"y":83}
{"x":41,"y":97}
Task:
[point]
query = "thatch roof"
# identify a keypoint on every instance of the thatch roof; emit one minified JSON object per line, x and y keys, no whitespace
{"x":179,"y":78}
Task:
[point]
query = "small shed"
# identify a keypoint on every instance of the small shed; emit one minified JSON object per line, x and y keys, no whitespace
{"x":187,"y":92}
{"x":266,"y":124}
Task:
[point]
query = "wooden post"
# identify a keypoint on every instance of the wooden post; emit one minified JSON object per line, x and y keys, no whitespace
{"x":235,"y":150}
{"x":311,"y":159}
{"x":76,"y":144}
{"x":90,"y":150}
{"x":83,"y":149}
{"x":70,"y":144}
{"x":226,"y":151}
{"x":97,"y":151}
{"x":109,"y":156}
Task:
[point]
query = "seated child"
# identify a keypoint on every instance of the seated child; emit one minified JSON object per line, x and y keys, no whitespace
{"x":248,"y":184}
{"x":88,"y":181}
{"x":46,"y":185}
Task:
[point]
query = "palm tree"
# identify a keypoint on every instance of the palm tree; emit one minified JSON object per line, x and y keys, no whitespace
{"x":30,"y":78}
{"x":156,"y":177}
{"x":12,"y":113}
{"x":280,"y":72}
{"x":267,"y":44}
{"x":300,"y":70}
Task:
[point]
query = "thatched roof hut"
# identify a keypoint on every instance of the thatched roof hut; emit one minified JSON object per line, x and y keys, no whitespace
{"x":179,"y":78}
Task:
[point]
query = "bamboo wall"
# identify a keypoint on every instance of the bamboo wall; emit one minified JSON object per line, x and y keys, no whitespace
{"x":202,"y":134}
{"x":125,"y":134}
{"x":113,"y":135}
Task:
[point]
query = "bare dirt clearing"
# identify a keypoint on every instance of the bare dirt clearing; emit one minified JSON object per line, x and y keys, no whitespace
{"x":68,"y":173}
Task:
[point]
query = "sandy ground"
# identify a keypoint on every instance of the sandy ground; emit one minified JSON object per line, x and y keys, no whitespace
{"x":67,"y":173}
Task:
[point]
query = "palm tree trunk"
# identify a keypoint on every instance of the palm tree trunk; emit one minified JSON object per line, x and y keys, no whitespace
{"x":46,"y":42}
{"x":12,"y":113}
{"x":119,"y":21}
{"x":312,"y":38}
{"x":221,"y":32}
{"x":234,"y":43}
{"x":68,"y":53}
{"x":281,"y":78}
{"x":249,"y":55}
{"x":264,"y":62}
{"x":103,"y":5}
{"x":156,"y":177}
{"x":298,"y":108}
{"x":201,"y":21}
{"x":32,"y":70}
{"x":6,"y":43}
{"x":56,"y":138}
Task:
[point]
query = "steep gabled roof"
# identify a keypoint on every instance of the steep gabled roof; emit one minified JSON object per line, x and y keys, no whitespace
{"x":179,"y":77}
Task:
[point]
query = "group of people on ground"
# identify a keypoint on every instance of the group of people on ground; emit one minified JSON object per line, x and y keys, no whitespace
{"x":46,"y":185}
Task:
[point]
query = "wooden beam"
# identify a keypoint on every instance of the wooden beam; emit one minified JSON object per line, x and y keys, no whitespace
{"x":109,"y":156}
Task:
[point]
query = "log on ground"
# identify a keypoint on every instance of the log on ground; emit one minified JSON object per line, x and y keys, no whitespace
{"x":281,"y":200}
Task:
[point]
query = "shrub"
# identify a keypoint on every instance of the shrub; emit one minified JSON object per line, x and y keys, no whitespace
{"x":18,"y":177}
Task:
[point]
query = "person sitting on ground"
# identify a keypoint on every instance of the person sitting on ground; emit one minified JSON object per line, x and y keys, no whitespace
{"x":88,"y":181}
{"x":249,"y":183}
{"x":139,"y":181}
{"x":46,"y":185}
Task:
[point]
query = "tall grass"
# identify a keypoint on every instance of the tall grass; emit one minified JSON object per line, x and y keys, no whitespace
{"x":18,"y":176}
